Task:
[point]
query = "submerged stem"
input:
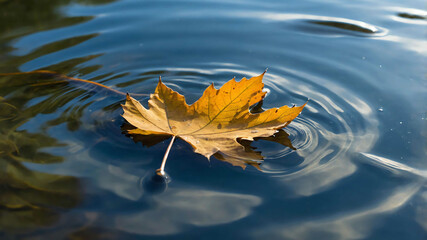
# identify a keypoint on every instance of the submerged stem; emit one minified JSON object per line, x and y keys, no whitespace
{"x":161,"y":170}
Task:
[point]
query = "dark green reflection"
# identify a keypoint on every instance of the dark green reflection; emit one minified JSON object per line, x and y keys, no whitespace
{"x":411,"y":16}
{"x":20,"y":18}
{"x":31,"y":199}
{"x":345,"y":25}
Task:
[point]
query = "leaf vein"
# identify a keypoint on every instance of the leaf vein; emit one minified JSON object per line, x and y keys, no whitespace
{"x":224,"y":108}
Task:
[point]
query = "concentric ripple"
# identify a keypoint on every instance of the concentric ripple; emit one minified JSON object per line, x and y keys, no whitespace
{"x":325,"y":134}
{"x":336,"y":124}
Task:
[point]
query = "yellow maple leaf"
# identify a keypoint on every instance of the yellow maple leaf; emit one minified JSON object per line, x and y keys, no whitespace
{"x":214,"y":123}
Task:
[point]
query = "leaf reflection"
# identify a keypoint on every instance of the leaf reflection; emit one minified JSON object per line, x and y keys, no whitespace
{"x":252,"y":158}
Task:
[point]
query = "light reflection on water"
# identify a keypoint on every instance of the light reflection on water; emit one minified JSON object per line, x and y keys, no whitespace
{"x":357,"y":173}
{"x":356,"y":224}
{"x":175,"y":209}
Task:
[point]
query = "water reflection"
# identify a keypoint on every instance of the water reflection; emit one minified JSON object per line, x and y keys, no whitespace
{"x":409,"y":15}
{"x":393,"y":166}
{"x":358,"y":28}
{"x":412,"y":16}
{"x":18,"y":20}
{"x":421,"y":211}
{"x":252,"y":157}
{"x":326,"y":135}
{"x":347,"y":26}
{"x":357,"y":224}
{"x":31,"y":199}
{"x":348,"y":61}
{"x":174,"y":209}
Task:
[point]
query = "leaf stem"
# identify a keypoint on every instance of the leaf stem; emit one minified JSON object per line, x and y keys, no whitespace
{"x":161,"y":170}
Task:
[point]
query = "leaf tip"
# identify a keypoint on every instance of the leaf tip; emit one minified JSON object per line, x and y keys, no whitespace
{"x":212,"y":86}
{"x":305,"y":104}
{"x":264,"y":71}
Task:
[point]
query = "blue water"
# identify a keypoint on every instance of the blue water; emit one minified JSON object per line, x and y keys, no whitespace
{"x":359,"y":172}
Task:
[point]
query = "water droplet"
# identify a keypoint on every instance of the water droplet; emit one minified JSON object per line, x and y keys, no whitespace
{"x":400,"y":123}
{"x":197,"y":141}
{"x":381,"y":109}
{"x":254,"y":131}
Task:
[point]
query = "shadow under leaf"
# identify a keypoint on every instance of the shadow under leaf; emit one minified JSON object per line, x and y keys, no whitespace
{"x":251,"y":158}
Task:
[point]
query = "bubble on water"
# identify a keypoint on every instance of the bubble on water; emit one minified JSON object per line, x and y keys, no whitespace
{"x":155,"y":183}
{"x":400,"y":123}
{"x":381,"y":109}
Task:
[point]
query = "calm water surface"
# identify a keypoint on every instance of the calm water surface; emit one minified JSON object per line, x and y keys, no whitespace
{"x":359,"y":171}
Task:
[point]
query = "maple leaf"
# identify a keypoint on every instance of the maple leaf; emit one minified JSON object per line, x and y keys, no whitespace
{"x":215,"y":123}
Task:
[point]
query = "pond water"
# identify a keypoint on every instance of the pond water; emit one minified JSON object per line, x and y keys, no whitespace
{"x":359,"y":171}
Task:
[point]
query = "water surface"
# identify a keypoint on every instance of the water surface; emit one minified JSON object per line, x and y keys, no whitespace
{"x":359,"y":171}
